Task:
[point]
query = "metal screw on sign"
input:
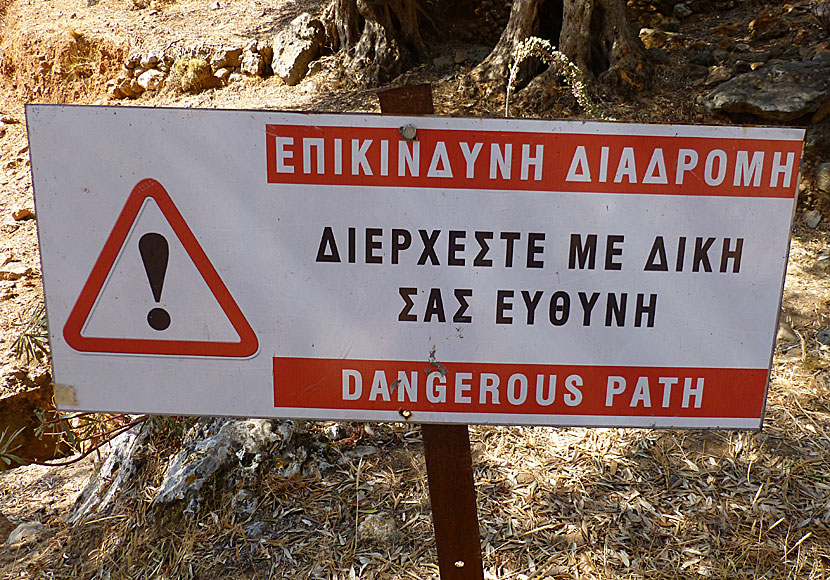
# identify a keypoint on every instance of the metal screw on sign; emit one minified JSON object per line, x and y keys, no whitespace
{"x":409,"y":132}
{"x":446,"y":447}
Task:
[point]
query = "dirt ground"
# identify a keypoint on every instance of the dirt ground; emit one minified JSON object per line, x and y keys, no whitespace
{"x":554,"y":503}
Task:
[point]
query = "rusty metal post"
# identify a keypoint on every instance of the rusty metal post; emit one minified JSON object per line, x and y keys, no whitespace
{"x":446,"y":447}
{"x":453,"y":498}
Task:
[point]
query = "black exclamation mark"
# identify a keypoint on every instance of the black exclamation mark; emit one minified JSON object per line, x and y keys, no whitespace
{"x":155,"y":253}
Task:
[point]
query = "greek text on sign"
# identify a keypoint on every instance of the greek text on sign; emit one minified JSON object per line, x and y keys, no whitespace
{"x":486,"y":271}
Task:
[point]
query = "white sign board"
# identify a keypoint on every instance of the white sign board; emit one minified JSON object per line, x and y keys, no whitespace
{"x":253,"y":263}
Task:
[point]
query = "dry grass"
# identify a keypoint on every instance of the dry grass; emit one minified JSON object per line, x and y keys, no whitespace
{"x":553,"y":503}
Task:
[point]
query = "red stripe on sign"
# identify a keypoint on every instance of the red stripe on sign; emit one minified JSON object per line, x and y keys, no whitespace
{"x":554,"y":162}
{"x":518,"y":388}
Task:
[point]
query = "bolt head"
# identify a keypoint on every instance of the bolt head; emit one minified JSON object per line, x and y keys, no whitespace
{"x":409,"y":132}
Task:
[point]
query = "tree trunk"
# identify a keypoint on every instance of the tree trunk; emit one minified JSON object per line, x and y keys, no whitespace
{"x":379,"y":38}
{"x":594,"y":34}
{"x":523,"y":22}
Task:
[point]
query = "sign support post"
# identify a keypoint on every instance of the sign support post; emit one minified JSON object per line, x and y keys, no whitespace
{"x":446,"y":447}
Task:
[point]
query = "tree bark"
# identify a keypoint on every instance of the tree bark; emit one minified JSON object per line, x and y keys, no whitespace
{"x":523,"y":22}
{"x":594,"y":34}
{"x":379,"y":38}
{"x":597,"y":37}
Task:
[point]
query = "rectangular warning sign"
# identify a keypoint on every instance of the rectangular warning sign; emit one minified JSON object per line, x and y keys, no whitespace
{"x":508,"y":271}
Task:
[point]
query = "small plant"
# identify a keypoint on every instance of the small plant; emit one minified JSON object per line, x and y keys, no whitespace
{"x":82,"y":431}
{"x":7,"y":448}
{"x":32,"y":341}
{"x":544,"y":50}
{"x":193,"y":74}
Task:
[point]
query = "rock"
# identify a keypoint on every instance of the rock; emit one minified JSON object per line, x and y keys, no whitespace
{"x":785,"y":334}
{"x":696,"y":71}
{"x":193,"y":74}
{"x":704,"y":58}
{"x":812,"y":218}
{"x":223,"y":74}
{"x":24,"y":531}
{"x":225,"y":58}
{"x":23,"y":213}
{"x":15,"y":271}
{"x":296,"y":46}
{"x":823,"y":176}
{"x":150,"y":80}
{"x":8,"y":120}
{"x":116,"y":471}
{"x":682,"y":10}
{"x":124,"y":86}
{"x":244,"y":502}
{"x":214,"y":6}
{"x":136,"y":87}
{"x":378,"y":529}
{"x":780,"y":92}
{"x":792,"y":354}
{"x":718,"y":74}
{"x":361,"y":451}
{"x":460,"y":57}
{"x":823,"y":336}
{"x":661,"y":39}
{"x":148,"y":61}
{"x":214,"y":445}
{"x":252,"y":64}
{"x":337,"y":431}
{"x":823,"y":261}
{"x":767,"y":26}
{"x":113,"y":91}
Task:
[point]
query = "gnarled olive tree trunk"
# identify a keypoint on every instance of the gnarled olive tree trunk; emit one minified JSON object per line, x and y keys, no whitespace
{"x":594,"y":34}
{"x":382,"y":37}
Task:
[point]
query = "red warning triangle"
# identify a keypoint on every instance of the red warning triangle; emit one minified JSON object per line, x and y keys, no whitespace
{"x":150,"y":188}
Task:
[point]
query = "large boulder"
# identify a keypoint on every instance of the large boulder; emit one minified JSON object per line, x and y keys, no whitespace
{"x":779,"y":92}
{"x":215,"y":445}
{"x":296,"y":47}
